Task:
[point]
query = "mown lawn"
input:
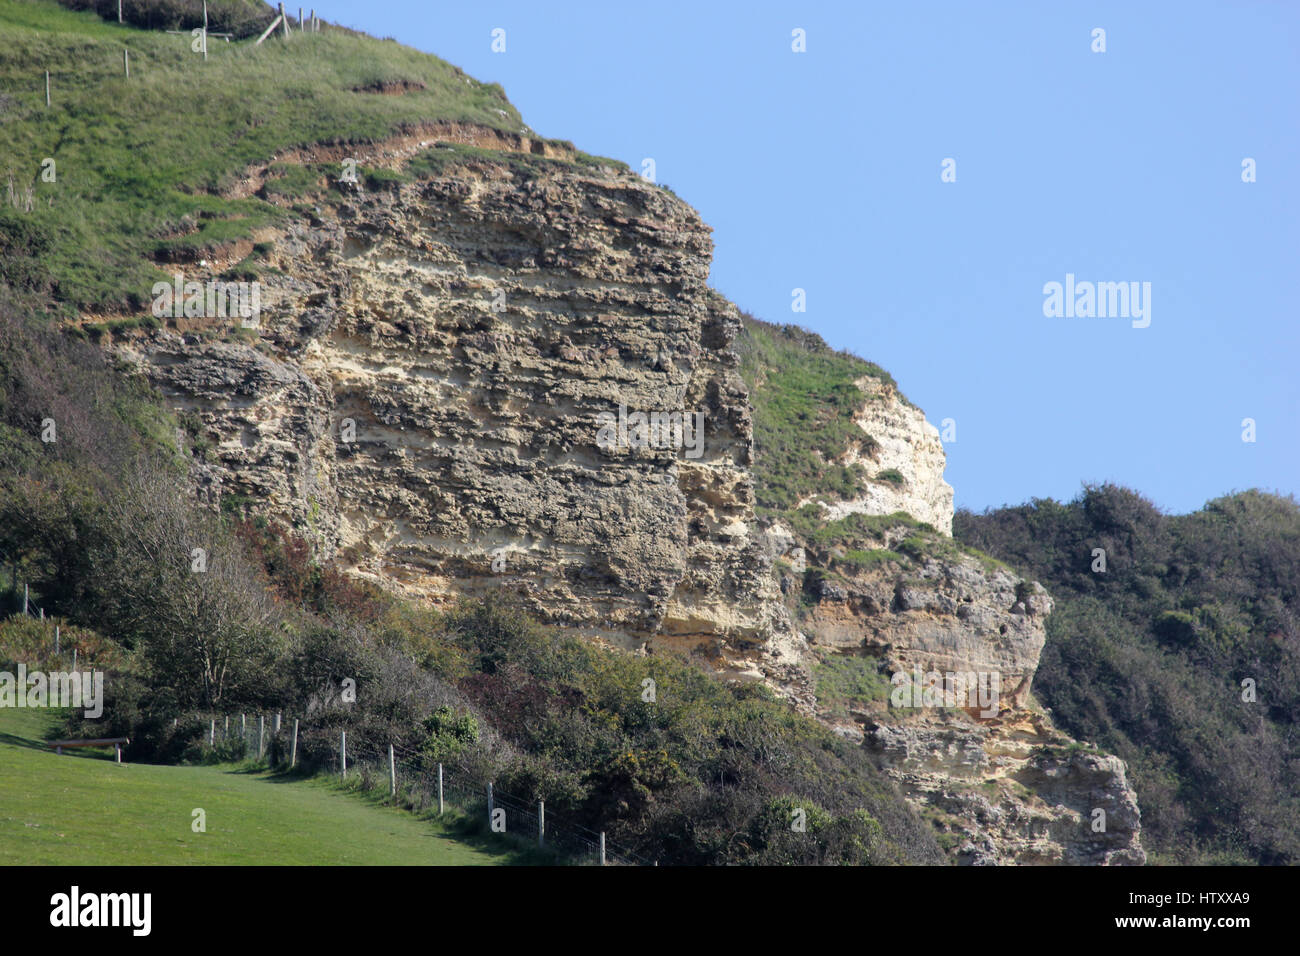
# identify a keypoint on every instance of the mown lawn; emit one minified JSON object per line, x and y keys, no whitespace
{"x":81,"y":808}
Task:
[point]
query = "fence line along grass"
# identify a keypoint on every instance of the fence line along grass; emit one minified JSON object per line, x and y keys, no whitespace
{"x":84,"y":809}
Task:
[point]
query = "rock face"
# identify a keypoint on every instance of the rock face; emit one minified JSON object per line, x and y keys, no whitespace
{"x":1013,"y":791}
{"x":444,"y":393}
{"x":907,"y":448}
{"x":979,"y":757}
{"x":512,"y":376}
{"x":949,"y":615}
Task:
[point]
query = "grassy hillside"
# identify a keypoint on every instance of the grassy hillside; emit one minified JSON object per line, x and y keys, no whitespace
{"x":81,"y":807}
{"x":1148,"y":658}
{"x":144,"y":167}
{"x":804,"y":400}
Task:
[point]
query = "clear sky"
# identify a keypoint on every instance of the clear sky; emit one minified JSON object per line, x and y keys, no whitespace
{"x":822,"y":171}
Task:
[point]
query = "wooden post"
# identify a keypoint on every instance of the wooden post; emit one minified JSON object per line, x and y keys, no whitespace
{"x":243,"y":728}
{"x":267,"y":32}
{"x":205,"y":29}
{"x":47,"y":103}
{"x":276,"y":726}
{"x":118,"y":749}
{"x":541,"y":823}
{"x":212,"y":733}
{"x":491,"y":806}
{"x":119,"y":11}
{"x":343,"y":755}
{"x":42,"y":610}
{"x":225,"y":733}
{"x":602,"y":847}
{"x":293,"y":752}
{"x":74,"y":658}
{"x":56,"y":639}
{"x":261,"y":736}
{"x":126,"y":62}
{"x":439,"y":789}
{"x":392,"y":764}
{"x":300,"y":19}
{"x":284,"y":22}
{"x":314,"y":25}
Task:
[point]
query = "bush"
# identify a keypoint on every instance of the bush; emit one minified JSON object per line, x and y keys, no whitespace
{"x":1148,"y":659}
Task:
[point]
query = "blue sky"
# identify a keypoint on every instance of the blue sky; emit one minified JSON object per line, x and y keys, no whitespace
{"x":821,"y":171}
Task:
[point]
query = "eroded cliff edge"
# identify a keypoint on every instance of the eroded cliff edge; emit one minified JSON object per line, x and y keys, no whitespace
{"x":422,"y":399}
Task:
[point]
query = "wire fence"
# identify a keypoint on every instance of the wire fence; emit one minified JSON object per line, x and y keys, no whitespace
{"x":411,"y":777}
{"x":60,"y":649}
{"x":275,"y":740}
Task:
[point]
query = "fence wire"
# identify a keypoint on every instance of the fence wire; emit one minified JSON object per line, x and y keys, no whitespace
{"x":255,"y":737}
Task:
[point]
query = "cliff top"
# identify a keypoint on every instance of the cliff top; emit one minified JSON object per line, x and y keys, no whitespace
{"x":148,"y":169}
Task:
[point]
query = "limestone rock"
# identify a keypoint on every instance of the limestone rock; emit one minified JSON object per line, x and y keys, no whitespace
{"x":907,"y":446}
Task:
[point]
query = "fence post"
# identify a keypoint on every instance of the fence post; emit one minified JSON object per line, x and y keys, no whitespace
{"x":439,"y":789}
{"x":392,"y":764}
{"x":212,"y":733}
{"x":225,"y":732}
{"x":47,"y":103}
{"x":269,"y":30}
{"x":126,"y":62}
{"x":42,"y":610}
{"x":541,"y":823}
{"x":205,"y":29}
{"x":118,"y":750}
{"x":602,"y":847}
{"x":300,"y":19}
{"x":284,"y":21}
{"x":261,"y":736}
{"x":74,"y":658}
{"x":243,"y":729}
{"x":490,"y":806}
{"x":276,"y":726}
{"x":56,"y":639}
{"x":343,"y":755}
{"x":119,"y":11}
{"x":293,"y":753}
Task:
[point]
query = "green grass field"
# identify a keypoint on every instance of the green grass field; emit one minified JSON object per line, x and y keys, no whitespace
{"x":82,"y":809}
{"x":140,"y":164}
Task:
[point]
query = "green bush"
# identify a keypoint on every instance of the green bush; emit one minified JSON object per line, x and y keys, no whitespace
{"x":1148,"y":659}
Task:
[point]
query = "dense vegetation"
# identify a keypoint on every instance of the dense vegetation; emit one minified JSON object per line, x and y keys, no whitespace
{"x":1155,"y":657}
{"x":243,"y":18}
{"x":101,"y":525}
